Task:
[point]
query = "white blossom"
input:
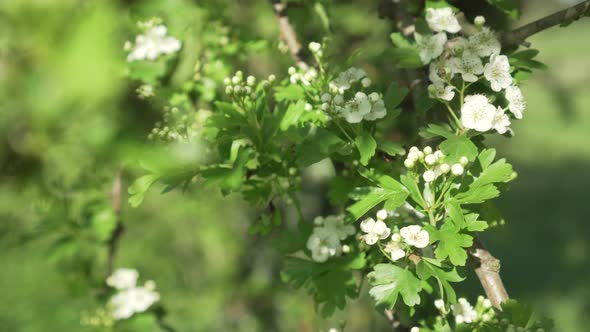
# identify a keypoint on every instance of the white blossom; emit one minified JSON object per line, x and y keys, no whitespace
{"x":376,"y":230}
{"x":485,"y":42}
{"x":464,"y":312}
{"x":477,"y":113}
{"x":123,"y":278}
{"x":501,"y":121}
{"x":356,"y":108}
{"x":366,"y":82}
{"x":153,"y":43}
{"x":315,"y":47}
{"x":344,"y":80}
{"x":382,"y":214}
{"x":378,"y":110}
{"x":395,"y":250}
{"x":457,"y":169}
{"x":323,"y":244}
{"x":516,"y":103}
{"x":430,"y":46}
{"x":440,"y":71}
{"x":438,"y":90}
{"x":336,"y":225}
{"x":479,"y":21}
{"x":497,"y":71}
{"x":415,"y":236}
{"x":468,"y":65}
{"x":132,"y":300}
{"x":442,"y":19}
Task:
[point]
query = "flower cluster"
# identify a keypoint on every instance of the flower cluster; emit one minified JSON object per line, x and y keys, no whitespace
{"x":347,"y":99}
{"x":376,"y":230}
{"x":433,"y":163}
{"x":324,"y":241}
{"x":152,"y":43}
{"x":465,"y":313}
{"x":302,"y":76}
{"x":238,"y":87}
{"x":180,"y":124}
{"x":130,"y":298}
{"x":471,"y":58}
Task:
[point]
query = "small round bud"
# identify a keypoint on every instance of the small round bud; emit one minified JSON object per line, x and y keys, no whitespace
{"x":318,"y":221}
{"x":487,"y":303}
{"x":326,"y":97}
{"x":430,"y":159}
{"x":315,"y":47}
{"x":409,"y":163}
{"x":479,"y":21}
{"x":445,"y":168}
{"x":459,"y":319}
{"x":439,"y":155}
{"x":227,"y":81}
{"x":428,"y":176}
{"x":420,"y":155}
{"x":325,"y":106}
{"x":413,"y":155}
{"x":439,"y":304}
{"x":374,"y":96}
{"x":291,"y":70}
{"x":237,"y":89}
{"x":229,"y":89}
{"x":253,"y":95}
{"x":366,"y":82}
{"x":251,"y":80}
{"x":248,"y":90}
{"x":236,"y":80}
{"x":308,"y":107}
{"x":150,"y":284}
{"x":457,"y":169}
{"x":345,"y":249}
{"x":292,"y":171}
{"x":414,"y":149}
{"x":240,"y":74}
{"x":395,"y":237}
{"x":427,"y":150}
{"x":271,"y":78}
{"x":382,"y":214}
{"x":355,"y":163}
{"x":463,"y":161}
{"x":415,"y":329}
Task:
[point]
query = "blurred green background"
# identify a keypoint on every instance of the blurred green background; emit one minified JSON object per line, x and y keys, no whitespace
{"x":68,"y":118}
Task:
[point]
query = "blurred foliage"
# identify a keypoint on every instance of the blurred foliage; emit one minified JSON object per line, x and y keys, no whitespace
{"x":70,"y":120}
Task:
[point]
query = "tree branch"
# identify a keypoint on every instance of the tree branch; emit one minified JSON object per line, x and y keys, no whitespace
{"x":116,"y":201}
{"x":487,"y":268}
{"x":288,"y":33}
{"x":519,"y":35}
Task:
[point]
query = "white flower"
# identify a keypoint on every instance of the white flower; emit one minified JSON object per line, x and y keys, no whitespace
{"x":133,"y":300}
{"x":457,"y":169}
{"x":485,"y":42}
{"x":152,"y":44}
{"x":440,"y":71}
{"x":468,"y":65}
{"x":497,"y":71}
{"x":315,"y":47}
{"x":428,"y":176}
{"x":430,"y":46}
{"x":376,"y":230}
{"x":344,"y":80}
{"x":394,"y":249}
{"x":439,"y":304}
{"x":378,"y":110}
{"x":464,"y":312}
{"x":336,"y":225}
{"x":477,"y":113}
{"x":438,"y":90}
{"x":415,"y":236}
{"x":501,"y":121}
{"x":442,"y":19}
{"x":355,"y":109}
{"x":123,"y":278}
{"x":382,"y":214}
{"x":323,"y":244}
{"x":516,"y":103}
{"x":366,"y":82}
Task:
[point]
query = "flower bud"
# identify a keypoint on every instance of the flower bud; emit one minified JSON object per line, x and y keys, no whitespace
{"x":414,"y":149}
{"x":439,"y":304}
{"x":430,"y":159}
{"x":463,"y":161}
{"x":457,"y":169}
{"x":479,"y":21}
{"x":236,"y":79}
{"x":326,"y":97}
{"x":395,"y":237}
{"x":428,"y":176}
{"x":338,"y":99}
{"x":382,"y":214}
{"x":229,"y":89}
{"x":445,"y":168}
{"x":412,"y":155}
{"x":271,"y":78}
{"x":251,"y":80}
{"x":427,"y":150}
{"x":409,"y":163}
{"x":420,"y":155}
{"x":325,"y":106}
{"x":315,"y":47}
{"x":291,"y":70}
{"x":308,"y":107}
{"x":227,"y":81}
{"x":345,"y":249}
{"x":366,"y":82}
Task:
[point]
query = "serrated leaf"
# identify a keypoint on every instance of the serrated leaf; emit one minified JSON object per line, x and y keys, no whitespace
{"x":292,"y":115}
{"x":290,"y":92}
{"x":390,"y":282}
{"x":456,"y":147}
{"x":395,"y":95}
{"x":318,"y":147}
{"x":486,"y":157}
{"x":437,"y":130}
{"x":376,"y":196}
{"x":138,"y":189}
{"x":455,"y":212}
{"x":391,"y":148}
{"x":478,"y":195}
{"x":412,"y":186}
{"x":451,"y":243}
{"x":366,"y":145}
{"x":472,"y":223}
{"x":425,"y":270}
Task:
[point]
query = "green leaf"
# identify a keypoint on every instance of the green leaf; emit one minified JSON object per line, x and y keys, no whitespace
{"x":455,"y":212}
{"x":138,"y":189}
{"x":391,"y":148}
{"x":482,"y":188}
{"x":395,"y":95}
{"x":510,"y":7}
{"x":486,"y":157}
{"x":457,"y":146}
{"x":404,"y":53}
{"x":103,"y":223}
{"x":292,"y":115}
{"x":376,"y":196}
{"x":290,"y":92}
{"x":390,"y":281}
{"x":426,"y":270}
{"x":473,"y":224}
{"x":451,"y":244}
{"x":320,"y":10}
{"x":412,"y":186}
{"x":437,"y":130}
{"x":366,"y":145}
{"x":478,"y":195}
{"x":318,"y":147}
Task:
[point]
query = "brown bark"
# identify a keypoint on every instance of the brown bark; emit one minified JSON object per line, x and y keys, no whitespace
{"x":288,"y":33}
{"x":487,"y":268}
{"x":116,"y":203}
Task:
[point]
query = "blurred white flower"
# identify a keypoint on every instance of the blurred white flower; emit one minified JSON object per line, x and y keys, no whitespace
{"x":457,"y":169}
{"x":464,"y":312}
{"x":376,"y":230}
{"x":516,"y":103}
{"x":133,"y":300}
{"x":336,"y":225}
{"x":123,"y":278}
{"x":485,"y":42}
{"x":438,"y":90}
{"x":323,"y":244}
{"x":355,"y":109}
{"x":440,"y":71}
{"x":415,"y":236}
{"x":344,"y":80}
{"x":497,"y":71}
{"x":153,"y":43}
{"x":395,"y":250}
{"x":501,"y":121}
{"x":477,"y":113}
{"x":442,"y":19}
{"x":430,"y":46}
{"x":468,"y":65}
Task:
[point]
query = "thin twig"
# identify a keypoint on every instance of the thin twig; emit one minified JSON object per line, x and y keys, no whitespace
{"x":519,"y":35}
{"x":487,"y":268}
{"x":116,"y":202}
{"x":288,"y":33}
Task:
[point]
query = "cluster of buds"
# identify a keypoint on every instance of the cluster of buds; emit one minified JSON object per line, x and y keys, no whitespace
{"x":434,"y":163}
{"x":301,"y":76}
{"x":179,"y":124}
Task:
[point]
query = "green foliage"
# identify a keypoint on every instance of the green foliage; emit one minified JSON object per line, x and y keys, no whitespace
{"x":390,"y":282}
